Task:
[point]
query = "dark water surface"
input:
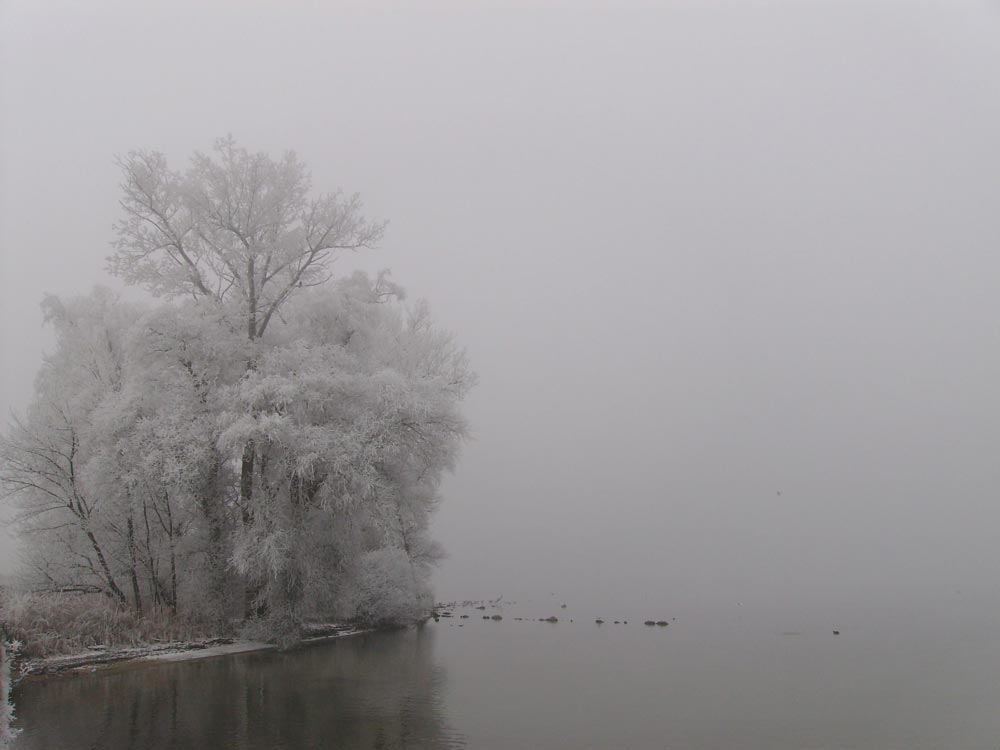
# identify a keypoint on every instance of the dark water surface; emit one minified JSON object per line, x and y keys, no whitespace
{"x":738,"y":677}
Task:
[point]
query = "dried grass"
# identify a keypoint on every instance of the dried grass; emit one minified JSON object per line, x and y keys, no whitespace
{"x":49,"y":624}
{"x":7,"y":732}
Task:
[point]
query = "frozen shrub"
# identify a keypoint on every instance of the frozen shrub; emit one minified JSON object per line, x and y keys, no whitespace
{"x":7,"y":733}
{"x":389,"y":589}
{"x":48,"y":624}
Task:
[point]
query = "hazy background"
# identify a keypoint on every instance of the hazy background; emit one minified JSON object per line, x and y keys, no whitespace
{"x":728,"y":271}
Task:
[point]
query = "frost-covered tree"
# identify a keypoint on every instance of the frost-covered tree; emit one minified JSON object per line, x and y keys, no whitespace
{"x":126,"y":468}
{"x":181,"y":358}
{"x":354,"y":409}
{"x":44,"y":456}
{"x":108,"y":464}
{"x":251,"y":438}
{"x":236,"y":227}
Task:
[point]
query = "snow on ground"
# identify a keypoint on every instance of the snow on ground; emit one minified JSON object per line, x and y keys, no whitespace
{"x":93,"y":660}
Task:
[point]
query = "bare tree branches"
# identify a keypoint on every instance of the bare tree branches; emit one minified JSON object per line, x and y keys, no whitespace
{"x":235,"y":224}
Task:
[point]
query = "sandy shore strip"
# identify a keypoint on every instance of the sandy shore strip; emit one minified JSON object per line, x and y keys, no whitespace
{"x":103,"y":658}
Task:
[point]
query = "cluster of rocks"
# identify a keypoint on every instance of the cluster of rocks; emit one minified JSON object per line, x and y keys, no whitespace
{"x":444,"y":610}
{"x":444,"y":615}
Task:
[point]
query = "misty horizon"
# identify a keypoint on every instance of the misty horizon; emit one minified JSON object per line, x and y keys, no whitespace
{"x":694,"y":444}
{"x":727,"y":273}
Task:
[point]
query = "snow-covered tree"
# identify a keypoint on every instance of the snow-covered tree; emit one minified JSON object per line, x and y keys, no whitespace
{"x":181,"y":357}
{"x":126,"y":467}
{"x":109,"y":464}
{"x":354,"y":409}
{"x":251,"y":438}
{"x":237,"y":227}
{"x":43,"y":457}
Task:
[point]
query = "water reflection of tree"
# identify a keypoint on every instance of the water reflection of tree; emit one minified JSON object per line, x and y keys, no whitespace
{"x":378,"y":691}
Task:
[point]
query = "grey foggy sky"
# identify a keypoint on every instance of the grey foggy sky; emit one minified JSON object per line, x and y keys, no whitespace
{"x":699,"y":253}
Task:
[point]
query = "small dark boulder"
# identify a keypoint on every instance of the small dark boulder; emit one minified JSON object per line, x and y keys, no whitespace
{"x":551,"y":619}
{"x":649,"y":622}
{"x":496,"y":617}
{"x":662,"y":623}
{"x":562,"y":606}
{"x":486,"y":617}
{"x":836,"y":632}
{"x":463,"y":617}
{"x":599,"y":621}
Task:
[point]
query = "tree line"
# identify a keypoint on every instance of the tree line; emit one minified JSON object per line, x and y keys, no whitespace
{"x":266,"y":443}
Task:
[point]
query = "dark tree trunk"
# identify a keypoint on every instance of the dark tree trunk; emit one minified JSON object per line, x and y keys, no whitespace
{"x":113,"y":588}
{"x":210,"y":502}
{"x":171,"y":535}
{"x":133,"y":565}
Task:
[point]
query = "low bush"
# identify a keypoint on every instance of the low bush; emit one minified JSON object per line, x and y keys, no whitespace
{"x":7,"y":732}
{"x":53,"y":623}
{"x":389,"y":589}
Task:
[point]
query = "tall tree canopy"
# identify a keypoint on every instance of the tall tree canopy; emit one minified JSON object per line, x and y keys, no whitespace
{"x":235,"y":225}
{"x":175,"y":456}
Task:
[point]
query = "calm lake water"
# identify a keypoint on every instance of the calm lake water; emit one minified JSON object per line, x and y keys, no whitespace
{"x":736,"y":676}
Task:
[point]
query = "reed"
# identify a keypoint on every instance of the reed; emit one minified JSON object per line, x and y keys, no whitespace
{"x":47,"y":624}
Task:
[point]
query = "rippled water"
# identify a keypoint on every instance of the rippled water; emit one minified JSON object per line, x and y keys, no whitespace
{"x":742,"y":677}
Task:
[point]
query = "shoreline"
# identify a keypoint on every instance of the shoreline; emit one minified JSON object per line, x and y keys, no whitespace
{"x":175,"y":651}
